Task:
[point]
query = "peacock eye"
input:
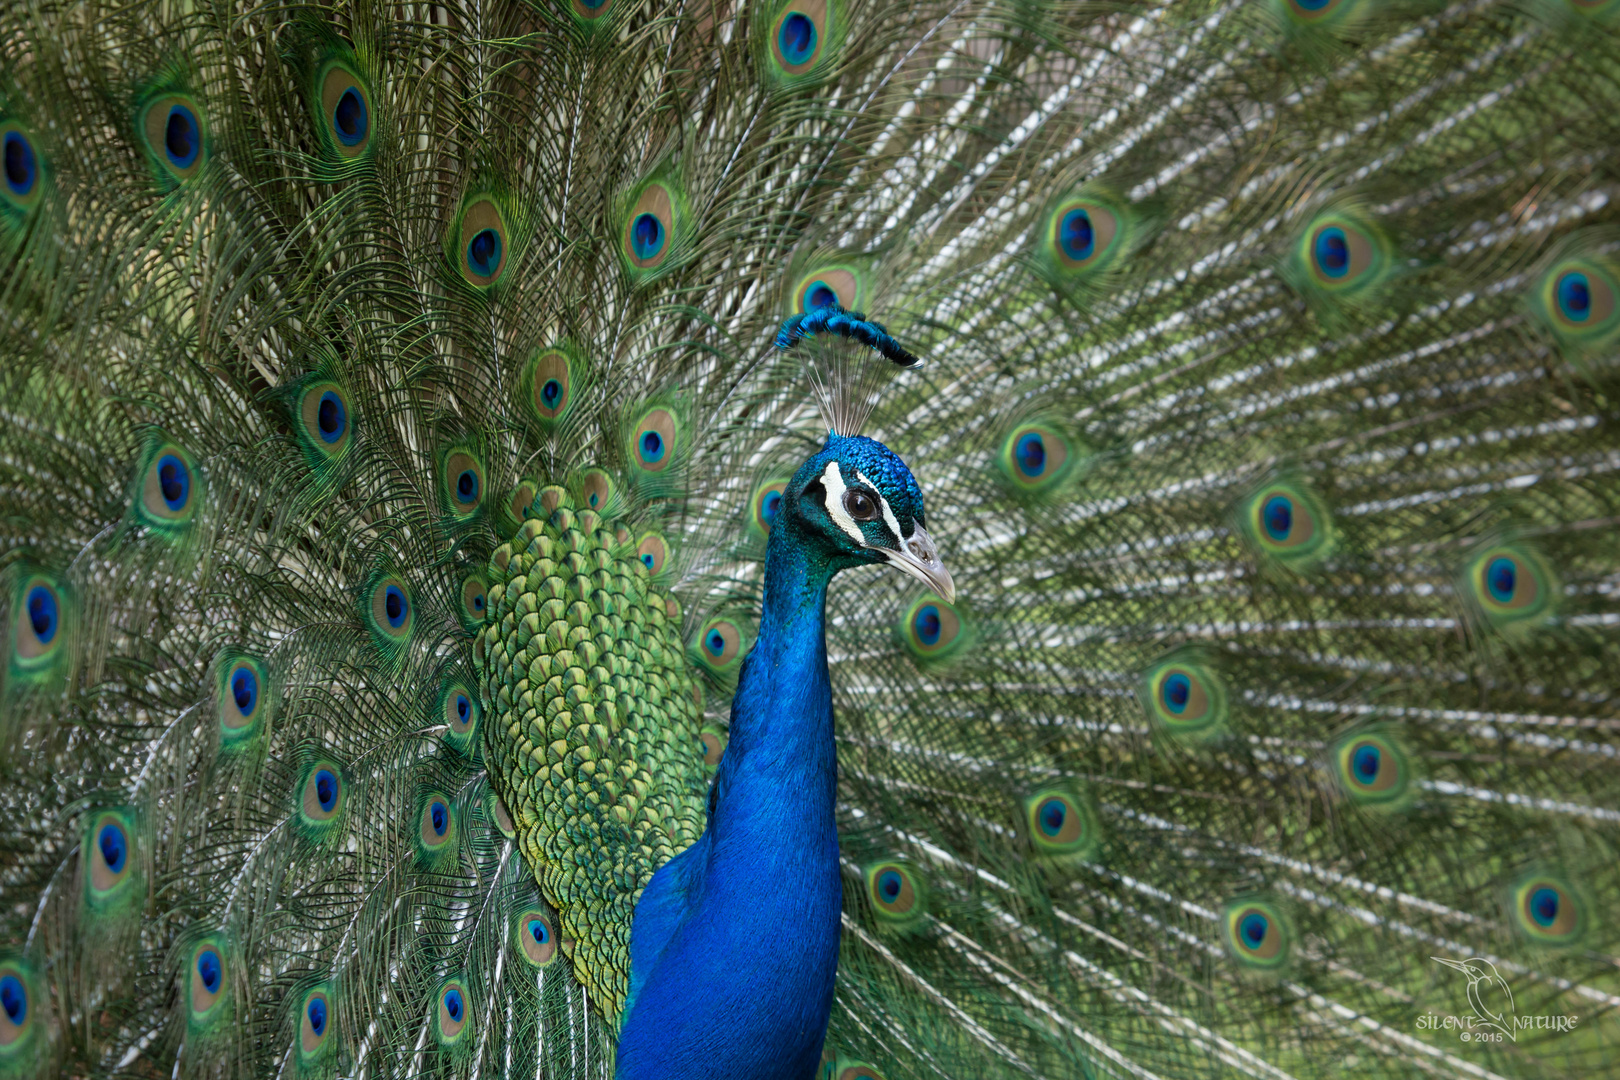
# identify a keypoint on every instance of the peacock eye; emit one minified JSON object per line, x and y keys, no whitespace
{"x":860,"y":505}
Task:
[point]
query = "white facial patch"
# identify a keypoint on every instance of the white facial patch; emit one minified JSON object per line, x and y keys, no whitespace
{"x":833,"y":481}
{"x":888,"y":515}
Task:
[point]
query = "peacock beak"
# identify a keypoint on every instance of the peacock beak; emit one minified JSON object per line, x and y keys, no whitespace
{"x":919,"y":558}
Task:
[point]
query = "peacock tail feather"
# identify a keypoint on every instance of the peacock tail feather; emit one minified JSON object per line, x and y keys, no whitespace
{"x":393,"y":423}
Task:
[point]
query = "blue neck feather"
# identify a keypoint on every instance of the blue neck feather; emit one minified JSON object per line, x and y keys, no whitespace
{"x":735,"y":941}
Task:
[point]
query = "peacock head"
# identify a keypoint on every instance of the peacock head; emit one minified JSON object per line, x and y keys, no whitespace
{"x":856,"y":503}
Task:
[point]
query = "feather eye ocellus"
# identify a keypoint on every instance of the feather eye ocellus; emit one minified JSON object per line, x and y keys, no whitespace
{"x":765,"y":504}
{"x":463,"y":482}
{"x":595,"y":488}
{"x":1084,"y":239}
{"x":712,"y":744}
{"x":389,"y":610}
{"x":1060,"y":824}
{"x":109,"y":853}
{"x":654,"y":442}
{"x":451,"y":1012}
{"x":654,"y":227}
{"x":535,"y":933}
{"x":1285,"y":521}
{"x":459,"y":711}
{"x":1373,"y":769}
{"x":242,"y":700}
{"x":345,"y":118}
{"x":1342,"y":258}
{"x":932,"y":630}
{"x":436,"y":828}
{"x":19,"y":1014}
{"x":1256,"y":934}
{"x":551,"y":385}
{"x":897,"y":893}
{"x":824,"y":285}
{"x":1575,"y":297}
{"x":483,"y":242}
{"x":173,"y":129}
{"x":323,"y":420}
{"x":852,"y":1070}
{"x":720,"y":645}
{"x":1185,"y":697}
{"x":652,"y":551}
{"x":207,"y":983}
{"x":21,"y":168}
{"x":322,"y":793}
{"x":1547,"y":910}
{"x":1510,"y":586}
{"x":474,"y":601}
{"x":802,"y":39}
{"x":39,"y":632}
{"x":168,"y":489}
{"x":316,"y":1019}
{"x":1037,"y":459}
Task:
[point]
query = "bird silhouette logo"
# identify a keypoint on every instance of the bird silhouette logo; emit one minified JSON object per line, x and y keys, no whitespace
{"x":1488,"y":993}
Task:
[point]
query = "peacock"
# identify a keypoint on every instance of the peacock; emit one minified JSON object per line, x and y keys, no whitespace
{"x":810,"y":539}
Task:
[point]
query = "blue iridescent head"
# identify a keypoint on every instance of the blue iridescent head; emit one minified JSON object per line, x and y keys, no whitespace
{"x":856,"y":503}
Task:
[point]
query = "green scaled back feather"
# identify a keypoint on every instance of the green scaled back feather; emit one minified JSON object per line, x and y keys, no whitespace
{"x":1173,"y":788}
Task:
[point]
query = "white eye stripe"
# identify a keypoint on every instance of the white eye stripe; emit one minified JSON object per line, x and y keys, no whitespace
{"x":833,"y":481}
{"x":888,"y":515}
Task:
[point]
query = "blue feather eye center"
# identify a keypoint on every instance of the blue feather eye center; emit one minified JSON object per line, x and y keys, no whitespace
{"x":244,"y":690}
{"x":1543,"y":906}
{"x":648,"y":561}
{"x":42,"y":614}
{"x":1076,"y":236}
{"x":821,"y":295}
{"x":797,"y":39}
{"x":394,"y":606}
{"x":484,"y":252}
{"x":539,"y":931}
{"x":1052,"y":814}
{"x":770,"y":507}
{"x":652,"y":446}
{"x":551,"y":393}
{"x":1332,"y":252}
{"x":439,"y":814}
{"x":715,"y":642}
{"x":1366,"y":761}
{"x":928,"y":624}
{"x":181,"y":137}
{"x":1501,"y":577}
{"x":453,"y":1005}
{"x":1030,"y":453}
{"x":317,"y":1016}
{"x":1278,"y":516}
{"x":1575,"y":296}
{"x":114,"y":847}
{"x":463,"y":707}
{"x":326,"y":789}
{"x":19,"y":163}
{"x":209,"y":970}
{"x":467,"y":486}
{"x":889,"y":884}
{"x":1177,"y":692}
{"x":331,"y":417}
{"x":1253,"y":928}
{"x":14,"y":999}
{"x":174,"y":481}
{"x":349,"y":118}
{"x":647,"y":236}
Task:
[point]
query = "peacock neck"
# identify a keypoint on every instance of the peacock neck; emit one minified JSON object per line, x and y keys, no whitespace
{"x":779,"y":774}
